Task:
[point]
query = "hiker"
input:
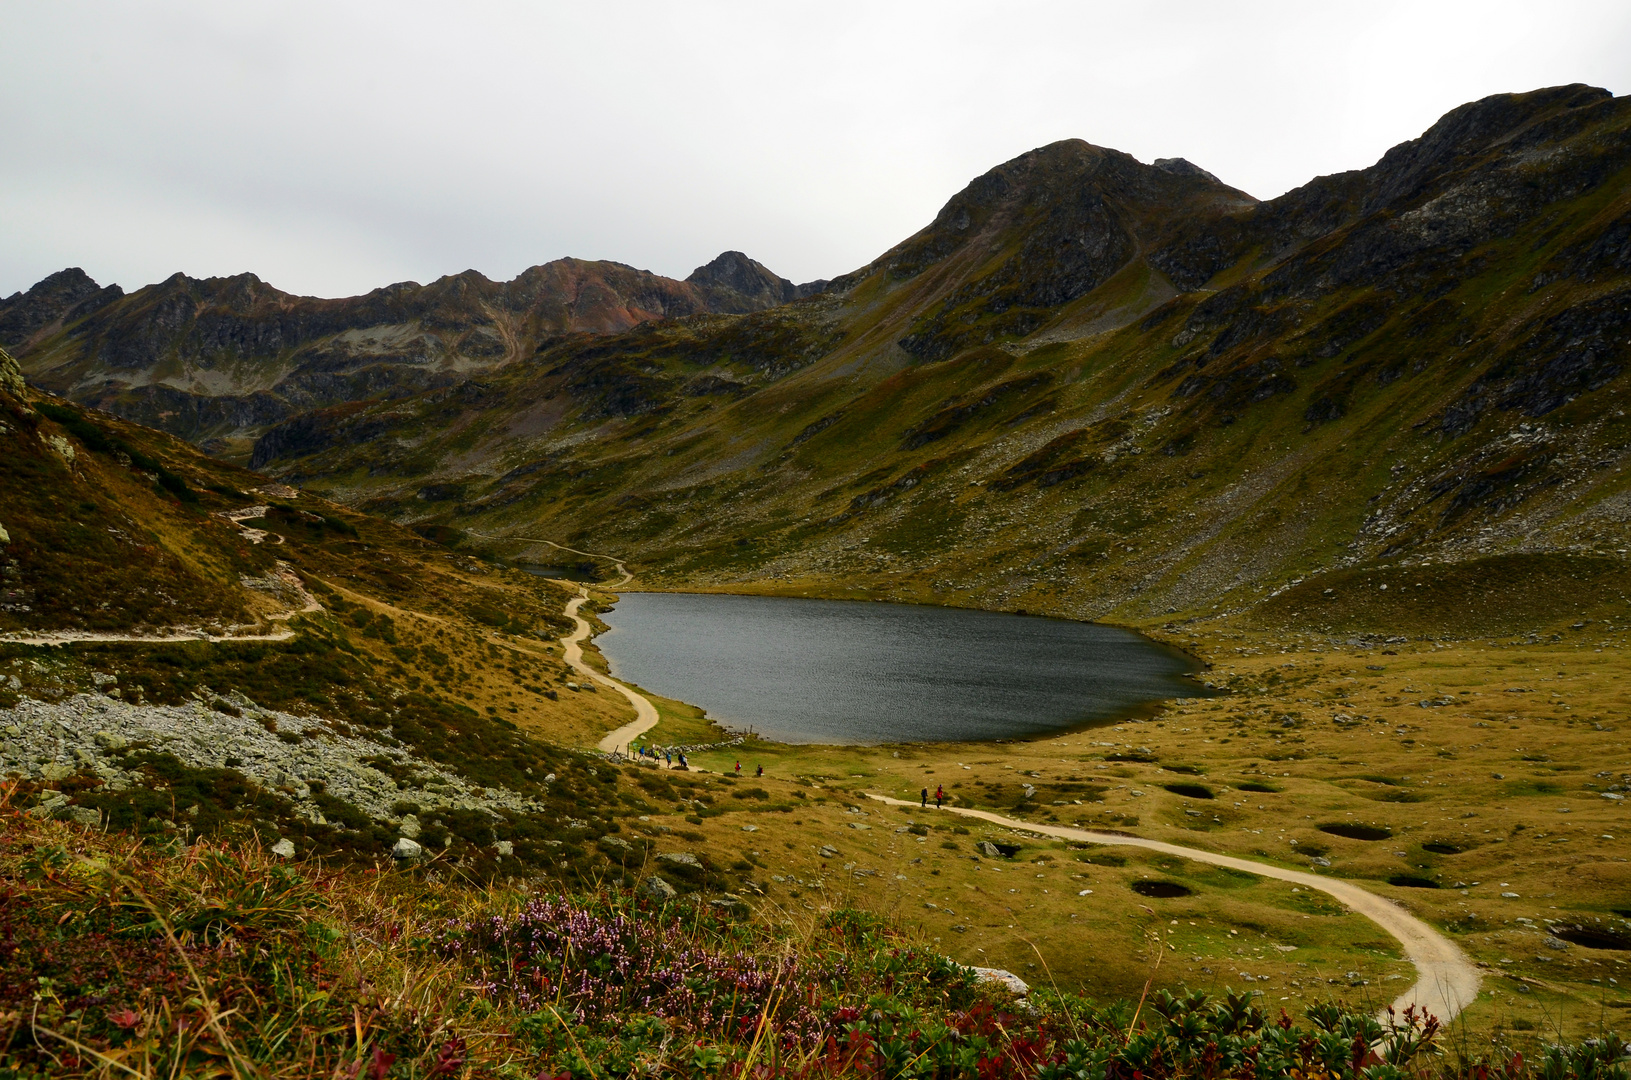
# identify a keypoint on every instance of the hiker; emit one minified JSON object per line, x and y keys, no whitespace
{"x":939,"y":795}
{"x":923,"y":796}
{"x":683,"y":763}
{"x":738,"y":768}
{"x":668,"y":756}
{"x":760,"y":771}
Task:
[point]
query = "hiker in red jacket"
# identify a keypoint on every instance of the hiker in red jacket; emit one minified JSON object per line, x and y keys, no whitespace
{"x":939,"y":796}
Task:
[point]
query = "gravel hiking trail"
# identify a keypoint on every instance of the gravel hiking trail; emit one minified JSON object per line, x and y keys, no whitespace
{"x":645,"y":713}
{"x":285,"y":575}
{"x":1446,"y":981}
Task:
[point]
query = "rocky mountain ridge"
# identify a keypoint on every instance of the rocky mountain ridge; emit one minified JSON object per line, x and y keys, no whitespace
{"x":221,"y":358}
{"x":1096,"y":387}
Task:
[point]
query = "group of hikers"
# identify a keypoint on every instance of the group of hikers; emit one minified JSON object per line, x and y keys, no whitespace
{"x":939,"y":796}
{"x":668,"y":756}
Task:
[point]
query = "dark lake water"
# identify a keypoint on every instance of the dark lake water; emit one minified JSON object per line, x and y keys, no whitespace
{"x":831,"y":671}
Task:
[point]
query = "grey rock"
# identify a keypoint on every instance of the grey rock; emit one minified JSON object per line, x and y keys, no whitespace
{"x":988,"y":849}
{"x":284,"y":847}
{"x":829,"y":852}
{"x":658,"y":889}
{"x":11,"y":381}
{"x":1003,"y":978}
{"x":88,"y":816}
{"x":679,"y":858}
{"x":409,"y":826}
{"x":505,"y":848}
{"x":616,"y":842}
{"x":407,"y":850}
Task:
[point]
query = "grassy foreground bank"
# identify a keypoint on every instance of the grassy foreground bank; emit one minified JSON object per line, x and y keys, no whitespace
{"x":124,"y":958}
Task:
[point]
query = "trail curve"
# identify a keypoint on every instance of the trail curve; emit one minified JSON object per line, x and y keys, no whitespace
{"x":645,"y":713}
{"x":1446,"y":981}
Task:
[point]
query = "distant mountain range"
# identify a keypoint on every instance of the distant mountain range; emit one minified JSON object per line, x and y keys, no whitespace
{"x":1090,"y":386}
{"x":217,"y":359}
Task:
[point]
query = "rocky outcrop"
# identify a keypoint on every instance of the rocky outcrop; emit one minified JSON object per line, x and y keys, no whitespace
{"x":11,"y":376}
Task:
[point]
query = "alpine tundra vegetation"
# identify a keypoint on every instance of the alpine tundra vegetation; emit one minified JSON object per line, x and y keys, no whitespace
{"x":308,"y":775}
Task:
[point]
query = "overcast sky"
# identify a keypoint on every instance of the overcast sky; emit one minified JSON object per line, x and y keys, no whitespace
{"x":332,"y":147}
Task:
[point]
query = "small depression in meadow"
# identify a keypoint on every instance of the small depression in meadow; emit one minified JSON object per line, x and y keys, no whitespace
{"x":1595,"y":937}
{"x":1355,"y":831}
{"x":853,"y":672}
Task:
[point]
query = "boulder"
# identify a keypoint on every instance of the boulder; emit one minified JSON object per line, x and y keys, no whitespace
{"x":505,"y":848}
{"x":658,"y":889}
{"x":88,"y":816}
{"x":407,"y":850}
{"x":988,"y":849}
{"x":409,"y":827}
{"x":284,"y":847}
{"x":729,"y":904}
{"x":829,"y":852}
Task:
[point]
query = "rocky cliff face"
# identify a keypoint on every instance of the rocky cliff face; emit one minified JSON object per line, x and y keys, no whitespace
{"x":225,"y":357}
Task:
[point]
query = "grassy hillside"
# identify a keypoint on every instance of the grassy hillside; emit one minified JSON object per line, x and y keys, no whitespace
{"x":294,"y":671}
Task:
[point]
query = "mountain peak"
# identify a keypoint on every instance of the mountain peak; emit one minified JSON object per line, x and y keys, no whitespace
{"x":738,"y":284}
{"x":61,"y":297}
{"x":1184,"y":167}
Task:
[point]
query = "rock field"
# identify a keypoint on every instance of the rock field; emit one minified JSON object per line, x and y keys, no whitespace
{"x":281,"y":752}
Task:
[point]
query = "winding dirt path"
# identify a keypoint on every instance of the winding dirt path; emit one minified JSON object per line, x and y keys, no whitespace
{"x":645,"y":713}
{"x":1446,"y":981}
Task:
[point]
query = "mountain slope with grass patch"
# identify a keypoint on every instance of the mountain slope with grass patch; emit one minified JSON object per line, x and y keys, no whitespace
{"x":1105,"y":389}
